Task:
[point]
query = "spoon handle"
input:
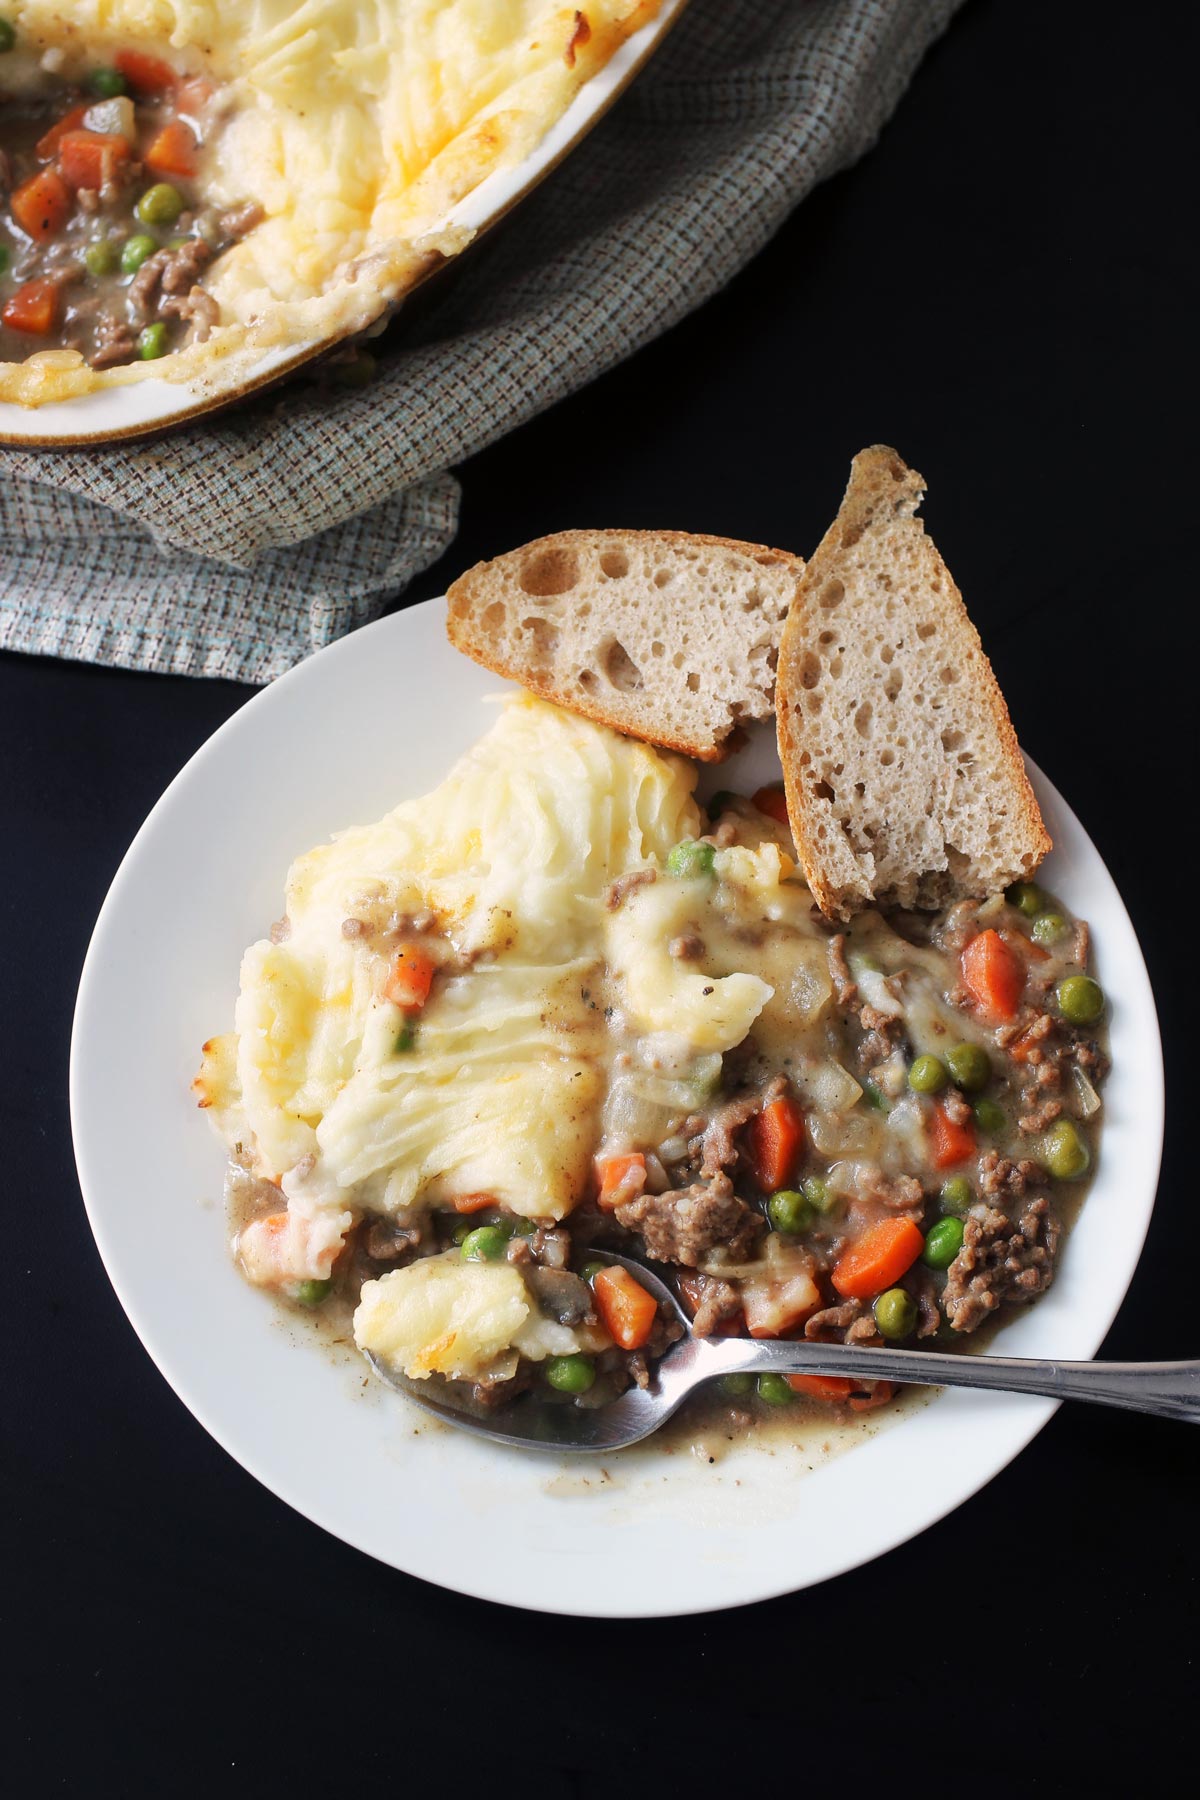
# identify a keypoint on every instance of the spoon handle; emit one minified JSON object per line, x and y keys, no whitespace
{"x":1171,"y":1390}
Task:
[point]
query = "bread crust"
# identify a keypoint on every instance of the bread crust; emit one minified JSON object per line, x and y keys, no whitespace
{"x":480,"y":587}
{"x":882,"y":496}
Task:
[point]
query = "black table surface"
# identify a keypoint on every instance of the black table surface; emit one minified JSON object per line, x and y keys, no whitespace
{"x":1006,"y":290}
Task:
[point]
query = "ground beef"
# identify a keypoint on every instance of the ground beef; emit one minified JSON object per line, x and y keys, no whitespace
{"x":196,"y":308}
{"x":715,"y":1301}
{"x":719,"y":1150}
{"x":839,"y":970}
{"x":863,"y":1331}
{"x":959,"y":926}
{"x":116,"y":342}
{"x":167,"y":272}
{"x":552,"y":1248}
{"x":686,"y":1224}
{"x":826,"y":1324}
{"x":882,"y":1033}
{"x":923,"y":1288}
{"x":1000,"y":1261}
{"x":999,"y":1175}
{"x":956,"y":1107}
{"x":616,"y":891}
{"x":387,"y":1240}
{"x":902,"y":1193}
{"x":496,"y":1393}
{"x":1040,"y":1116}
{"x":240,"y":219}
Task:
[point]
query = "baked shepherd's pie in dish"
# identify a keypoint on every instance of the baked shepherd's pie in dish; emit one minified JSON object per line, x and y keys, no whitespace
{"x":186,"y":187}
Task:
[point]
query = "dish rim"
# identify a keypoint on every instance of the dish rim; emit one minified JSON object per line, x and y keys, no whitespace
{"x":1028,"y":1416}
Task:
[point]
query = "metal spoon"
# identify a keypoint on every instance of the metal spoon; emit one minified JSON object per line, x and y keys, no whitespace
{"x":1169,"y":1389}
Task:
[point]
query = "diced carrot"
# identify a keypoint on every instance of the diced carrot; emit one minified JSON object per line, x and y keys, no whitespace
{"x":145,"y":74}
{"x":833,"y":1388}
{"x":949,"y":1143}
{"x":879,"y":1396}
{"x":775,"y":1143}
{"x":627,"y":1310}
{"x":88,"y":159}
{"x":172,"y":151}
{"x":41,"y":206}
{"x":33,"y":307}
{"x":993,"y":976}
{"x":47,"y":144}
{"x":773,"y":801}
{"x":778,"y":1305}
{"x":473,"y":1203}
{"x":878,"y":1259}
{"x":410,"y":977}
{"x":621,"y":1178}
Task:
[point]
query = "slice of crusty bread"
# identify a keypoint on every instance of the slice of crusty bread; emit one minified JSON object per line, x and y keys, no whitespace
{"x":904,"y":782}
{"x":663,"y":635}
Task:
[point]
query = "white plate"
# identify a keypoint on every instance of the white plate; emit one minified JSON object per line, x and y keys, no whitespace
{"x":147,"y":406}
{"x":343,"y":737}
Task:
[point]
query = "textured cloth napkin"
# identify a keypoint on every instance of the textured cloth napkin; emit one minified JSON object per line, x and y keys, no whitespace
{"x":238,"y":546}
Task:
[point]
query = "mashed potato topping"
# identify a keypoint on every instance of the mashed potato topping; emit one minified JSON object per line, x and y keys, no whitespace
{"x":355,"y":125}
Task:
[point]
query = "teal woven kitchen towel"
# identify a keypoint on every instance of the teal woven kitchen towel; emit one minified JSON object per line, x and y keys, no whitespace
{"x":243,"y":543}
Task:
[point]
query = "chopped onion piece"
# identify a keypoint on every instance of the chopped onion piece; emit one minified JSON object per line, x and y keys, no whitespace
{"x":1089,"y":1099}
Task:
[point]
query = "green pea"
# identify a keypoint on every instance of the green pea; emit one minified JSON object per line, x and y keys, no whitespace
{"x":134,"y":252}
{"x":819,"y":1195}
{"x":774,"y":1390}
{"x":571,"y":1374}
{"x":1026,"y":896}
{"x":895,"y":1313}
{"x":876,"y":1097}
{"x":591,"y":1269}
{"x":462,"y":1231}
{"x":1049,"y":928}
{"x":4,"y":259}
{"x":789,"y":1211}
{"x":691,"y":860}
{"x":1064,"y":1151}
{"x":406,"y":1037}
{"x":736,"y":1386}
{"x":311,"y":1293}
{"x":721,"y":802}
{"x":943,"y":1242}
{"x":487,"y":1243}
{"x":969,"y":1067}
{"x":990,"y":1116}
{"x":102,"y":257}
{"x":8,"y":37}
{"x":956,"y":1194}
{"x":152,"y":343}
{"x":106,"y":84}
{"x":524,"y":1227}
{"x":927,"y":1075}
{"x":160,"y":205}
{"x":1080,"y":999}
